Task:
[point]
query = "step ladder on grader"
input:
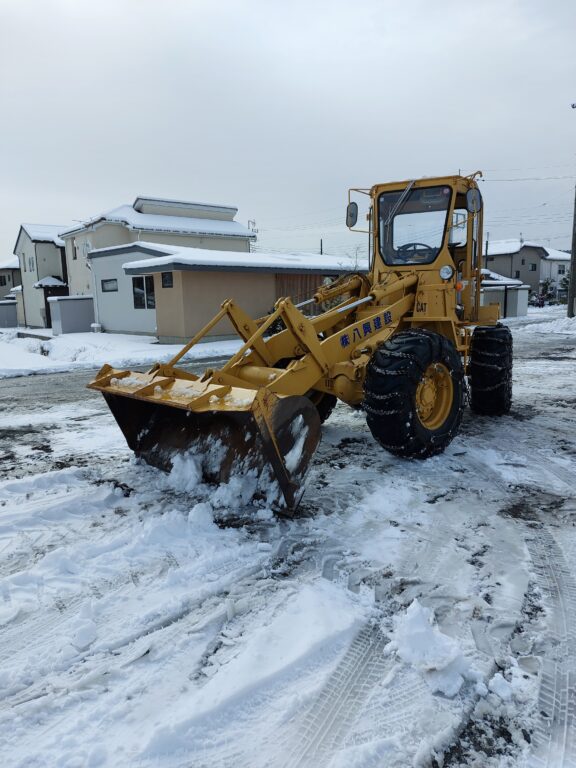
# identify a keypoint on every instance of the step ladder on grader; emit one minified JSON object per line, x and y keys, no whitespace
{"x":400,"y":341}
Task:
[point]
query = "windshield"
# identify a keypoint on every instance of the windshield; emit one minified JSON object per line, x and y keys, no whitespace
{"x":412,"y":224}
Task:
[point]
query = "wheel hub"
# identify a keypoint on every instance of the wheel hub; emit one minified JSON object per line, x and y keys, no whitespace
{"x":434,"y":396}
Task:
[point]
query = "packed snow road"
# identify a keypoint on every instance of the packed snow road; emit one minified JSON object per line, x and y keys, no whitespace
{"x":414,"y":613}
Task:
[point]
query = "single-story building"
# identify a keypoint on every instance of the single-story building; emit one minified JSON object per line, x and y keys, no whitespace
{"x":43,"y":269}
{"x":172,"y":291}
{"x":510,"y":294}
{"x":9,"y":276}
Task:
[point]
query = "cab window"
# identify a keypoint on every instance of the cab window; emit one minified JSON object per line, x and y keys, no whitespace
{"x":413,"y":224}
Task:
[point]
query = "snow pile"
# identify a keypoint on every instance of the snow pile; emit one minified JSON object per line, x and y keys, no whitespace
{"x":186,"y":473}
{"x":21,"y":361}
{"x":417,"y":641}
{"x":21,"y":357}
{"x":565,"y":325}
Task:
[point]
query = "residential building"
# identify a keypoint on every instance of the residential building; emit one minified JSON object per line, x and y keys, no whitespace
{"x":555,"y":267}
{"x":173,"y":291}
{"x":10,"y":276}
{"x":530,"y":262}
{"x":156,"y":220}
{"x":40,"y":252}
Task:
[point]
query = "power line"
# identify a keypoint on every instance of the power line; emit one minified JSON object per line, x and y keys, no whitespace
{"x":533,"y":178}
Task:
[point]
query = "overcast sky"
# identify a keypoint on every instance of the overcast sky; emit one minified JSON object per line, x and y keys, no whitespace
{"x":278,"y":108}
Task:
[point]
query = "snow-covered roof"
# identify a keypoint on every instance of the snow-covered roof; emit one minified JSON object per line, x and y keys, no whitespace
{"x":16,"y":289}
{"x":13,"y":263}
{"x":49,"y":282}
{"x":152,"y":222}
{"x":44,"y":233}
{"x":554,"y":255}
{"x":514,"y":245}
{"x":490,"y":278}
{"x":167,"y":258}
{"x":164,"y":202}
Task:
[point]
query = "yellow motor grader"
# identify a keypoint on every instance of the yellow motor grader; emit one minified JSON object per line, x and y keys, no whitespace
{"x":398,"y":340}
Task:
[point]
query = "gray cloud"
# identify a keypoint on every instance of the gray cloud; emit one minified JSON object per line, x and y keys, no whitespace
{"x":279,"y":108}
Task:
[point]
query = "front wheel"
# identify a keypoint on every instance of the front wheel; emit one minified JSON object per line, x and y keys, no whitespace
{"x":414,"y":393}
{"x":324,"y":402}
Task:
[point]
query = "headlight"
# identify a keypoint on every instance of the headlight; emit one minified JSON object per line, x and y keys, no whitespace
{"x":446,"y":272}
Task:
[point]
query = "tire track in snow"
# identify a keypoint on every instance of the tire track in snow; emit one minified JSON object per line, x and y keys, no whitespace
{"x":554,"y":739}
{"x":87,"y":668}
{"x":295,"y":552}
{"x":327,"y":721}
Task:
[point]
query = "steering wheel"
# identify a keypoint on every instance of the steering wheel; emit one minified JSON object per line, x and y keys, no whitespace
{"x":416,"y":247}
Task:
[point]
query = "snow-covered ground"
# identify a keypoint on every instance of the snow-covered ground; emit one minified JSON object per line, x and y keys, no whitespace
{"x":81,"y":351}
{"x":413,"y":613}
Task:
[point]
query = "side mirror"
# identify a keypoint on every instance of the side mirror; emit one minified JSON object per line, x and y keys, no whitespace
{"x":351,"y":214}
{"x":473,"y":201}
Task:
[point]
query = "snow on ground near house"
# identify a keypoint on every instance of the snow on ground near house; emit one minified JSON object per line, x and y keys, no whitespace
{"x":565,"y":325}
{"x":413,"y":613}
{"x":22,"y":357}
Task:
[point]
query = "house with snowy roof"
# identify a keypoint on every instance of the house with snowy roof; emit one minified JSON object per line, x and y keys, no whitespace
{"x":173,"y":291}
{"x":42,"y":263}
{"x":10,"y":276}
{"x":530,"y":262}
{"x":156,"y":220}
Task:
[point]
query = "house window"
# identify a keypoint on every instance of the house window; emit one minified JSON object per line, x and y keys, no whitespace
{"x":74,"y":251}
{"x":561,"y":269}
{"x":532,"y":267}
{"x":109,"y":286}
{"x":167,"y":280}
{"x":517,"y":274}
{"x":490,"y":258}
{"x":143,"y":292}
{"x":2,"y":280}
{"x":31,"y":263}
{"x":523,"y":262}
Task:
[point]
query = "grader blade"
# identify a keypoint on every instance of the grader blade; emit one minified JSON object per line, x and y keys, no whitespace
{"x":271,"y":442}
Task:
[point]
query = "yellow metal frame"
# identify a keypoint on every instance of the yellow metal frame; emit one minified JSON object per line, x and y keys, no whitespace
{"x":328,"y":352}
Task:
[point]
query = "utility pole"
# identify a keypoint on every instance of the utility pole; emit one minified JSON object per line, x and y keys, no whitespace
{"x":572,"y":283}
{"x":321,"y":247}
{"x":486,"y":250}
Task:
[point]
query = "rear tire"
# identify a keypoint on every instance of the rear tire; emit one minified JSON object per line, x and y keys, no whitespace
{"x":414,"y":393}
{"x":325,"y":404}
{"x":490,"y":370}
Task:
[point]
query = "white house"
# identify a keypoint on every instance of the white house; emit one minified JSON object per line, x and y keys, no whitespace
{"x":157,"y":220}
{"x":40,"y":252}
{"x":555,"y":266}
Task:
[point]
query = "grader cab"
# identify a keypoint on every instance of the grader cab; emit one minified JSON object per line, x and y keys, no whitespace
{"x":398,"y":341}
